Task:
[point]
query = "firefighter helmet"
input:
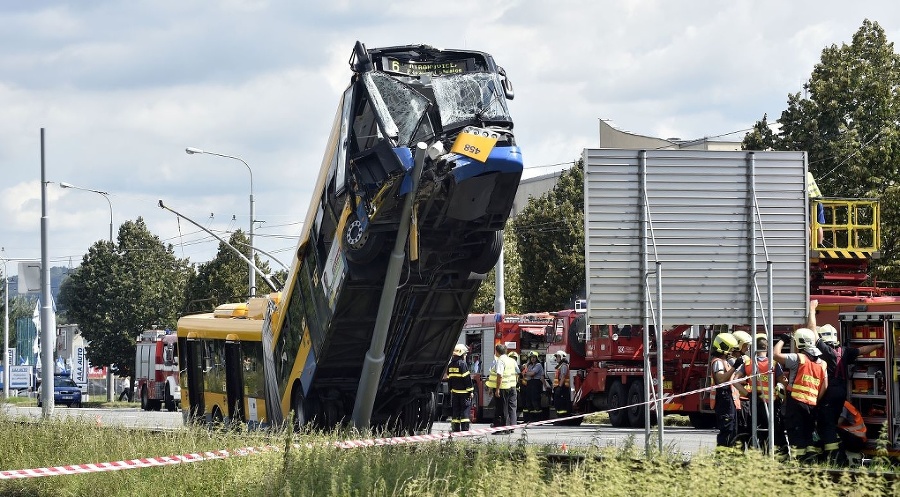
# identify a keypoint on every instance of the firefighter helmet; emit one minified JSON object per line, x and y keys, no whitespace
{"x":460,"y":349}
{"x":560,"y":355}
{"x":828,"y":334}
{"x":742,"y":337}
{"x":533,"y":353}
{"x":513,"y":354}
{"x":805,"y":339}
{"x":724,"y":343}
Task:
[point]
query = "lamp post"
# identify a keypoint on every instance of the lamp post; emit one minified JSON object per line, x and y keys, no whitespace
{"x":62,"y":184}
{"x":191,"y":151}
{"x":6,"y":361}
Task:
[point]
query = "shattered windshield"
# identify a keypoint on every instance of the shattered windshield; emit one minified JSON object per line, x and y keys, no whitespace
{"x":400,"y":107}
{"x":464,"y":97}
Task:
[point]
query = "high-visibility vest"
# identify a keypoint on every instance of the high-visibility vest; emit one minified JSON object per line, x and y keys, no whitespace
{"x":562,"y":375}
{"x":807,"y":382}
{"x":763,"y":365}
{"x":735,"y":397}
{"x":509,"y":378}
{"x":492,"y":376}
{"x":857,"y":427}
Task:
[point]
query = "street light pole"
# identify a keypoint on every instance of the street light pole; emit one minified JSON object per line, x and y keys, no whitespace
{"x":62,"y":184}
{"x":193,"y":150}
{"x":6,"y":361}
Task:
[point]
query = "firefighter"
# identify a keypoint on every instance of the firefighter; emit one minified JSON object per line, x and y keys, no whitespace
{"x":459,"y":379}
{"x":726,"y":401}
{"x":505,"y":376}
{"x":807,"y":383}
{"x":562,"y":393}
{"x":743,"y":369}
{"x":766,"y":368}
{"x":852,"y":431}
{"x":534,"y":377}
{"x":838,"y":360}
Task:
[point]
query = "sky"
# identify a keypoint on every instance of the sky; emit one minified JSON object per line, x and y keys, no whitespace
{"x":122,"y":88}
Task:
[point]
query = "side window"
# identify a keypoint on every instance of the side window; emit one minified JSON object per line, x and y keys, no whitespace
{"x":340,"y":173}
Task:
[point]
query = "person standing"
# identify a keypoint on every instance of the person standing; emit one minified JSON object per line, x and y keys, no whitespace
{"x":126,"y":390}
{"x":562,"y":393}
{"x":459,"y":380}
{"x":534,"y":378}
{"x":838,"y":360}
{"x":766,"y":368}
{"x":505,"y":378}
{"x":807,"y":383}
{"x":726,"y":401}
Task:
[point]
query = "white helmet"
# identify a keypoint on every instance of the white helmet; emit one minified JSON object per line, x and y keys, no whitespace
{"x":828,"y":334}
{"x":805,"y":339}
{"x":560,"y":355}
{"x":460,"y":349}
{"x":742,"y":337}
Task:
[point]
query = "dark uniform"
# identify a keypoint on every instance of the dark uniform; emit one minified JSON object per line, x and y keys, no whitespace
{"x":459,"y":379}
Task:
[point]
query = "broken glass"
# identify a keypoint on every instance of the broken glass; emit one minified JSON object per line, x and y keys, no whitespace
{"x":462,"y":98}
{"x":400,"y":107}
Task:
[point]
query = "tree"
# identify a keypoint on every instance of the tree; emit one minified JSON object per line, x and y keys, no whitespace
{"x":550,"y":234}
{"x":119,"y":291}
{"x":761,"y":137}
{"x":484,"y":300}
{"x":847,"y":121}
{"x":223,"y":279}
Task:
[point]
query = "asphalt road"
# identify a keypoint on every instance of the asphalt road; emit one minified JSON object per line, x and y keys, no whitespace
{"x":675,"y":439}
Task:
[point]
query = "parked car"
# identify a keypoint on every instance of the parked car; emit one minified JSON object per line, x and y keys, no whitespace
{"x":65,"y":391}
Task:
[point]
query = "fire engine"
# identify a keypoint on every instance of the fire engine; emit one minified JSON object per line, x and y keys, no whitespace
{"x":156,"y":370}
{"x":521,"y":333}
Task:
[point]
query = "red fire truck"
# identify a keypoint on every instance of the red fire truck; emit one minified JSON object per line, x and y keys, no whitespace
{"x":156,"y":370}
{"x":521,"y":333}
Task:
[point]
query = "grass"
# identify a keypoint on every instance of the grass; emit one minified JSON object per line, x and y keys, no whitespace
{"x":312,"y":466}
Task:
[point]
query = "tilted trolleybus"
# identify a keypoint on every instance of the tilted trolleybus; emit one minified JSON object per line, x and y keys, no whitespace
{"x":417,"y":182}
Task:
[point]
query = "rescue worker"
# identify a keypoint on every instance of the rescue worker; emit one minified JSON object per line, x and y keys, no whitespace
{"x":744,"y":369}
{"x":766,"y":368}
{"x":726,"y":401}
{"x":838,"y":360}
{"x":807,"y":382}
{"x":534,"y":378}
{"x":505,"y":377}
{"x":459,"y":380}
{"x":562,"y":393}
{"x":851,"y":429}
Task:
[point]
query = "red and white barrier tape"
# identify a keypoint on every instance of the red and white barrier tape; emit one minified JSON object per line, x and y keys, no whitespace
{"x":151,"y":462}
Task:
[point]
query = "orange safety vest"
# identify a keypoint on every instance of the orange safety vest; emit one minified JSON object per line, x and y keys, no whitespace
{"x":858,"y":427}
{"x":763,"y":366}
{"x":807,"y":382}
{"x":562,"y":370}
{"x":735,"y":396}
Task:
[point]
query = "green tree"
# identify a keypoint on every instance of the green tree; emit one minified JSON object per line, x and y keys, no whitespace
{"x":550,"y":233}
{"x":484,"y":300}
{"x":224,"y":279}
{"x":761,"y":137}
{"x":847,"y":121}
{"x":119,"y":291}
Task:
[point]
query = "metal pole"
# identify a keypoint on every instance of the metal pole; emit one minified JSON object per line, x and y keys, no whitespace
{"x":252,"y":278}
{"x":48,"y":333}
{"x":645,"y":292}
{"x":6,"y":361}
{"x":499,"y":284}
{"x":374,"y":361}
{"x":659,"y":359}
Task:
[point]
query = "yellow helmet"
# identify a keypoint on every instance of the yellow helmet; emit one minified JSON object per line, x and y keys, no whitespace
{"x":460,"y":349}
{"x":724,"y":342}
{"x":513,"y":354}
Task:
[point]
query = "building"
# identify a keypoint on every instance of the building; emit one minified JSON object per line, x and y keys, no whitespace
{"x":612,"y":137}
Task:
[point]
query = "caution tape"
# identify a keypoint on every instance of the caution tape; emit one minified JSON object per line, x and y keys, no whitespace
{"x":152,"y":462}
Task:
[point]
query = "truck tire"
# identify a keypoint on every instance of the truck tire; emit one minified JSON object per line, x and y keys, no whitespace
{"x":145,"y":401}
{"x":702,"y":420}
{"x":635,"y":400}
{"x":170,"y":401}
{"x":617,"y":396}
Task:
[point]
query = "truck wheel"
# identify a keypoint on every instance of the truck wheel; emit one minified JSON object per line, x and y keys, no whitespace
{"x":170,"y":401}
{"x":145,"y":401}
{"x":618,"y":417}
{"x":702,"y":420}
{"x":635,"y":397}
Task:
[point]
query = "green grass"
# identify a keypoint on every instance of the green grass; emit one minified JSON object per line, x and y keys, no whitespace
{"x":312,"y":467}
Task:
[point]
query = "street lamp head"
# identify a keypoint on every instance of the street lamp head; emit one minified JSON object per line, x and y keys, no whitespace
{"x":193,"y":150}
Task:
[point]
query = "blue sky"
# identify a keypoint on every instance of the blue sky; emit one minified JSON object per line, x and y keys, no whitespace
{"x":122,"y":88}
